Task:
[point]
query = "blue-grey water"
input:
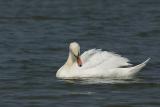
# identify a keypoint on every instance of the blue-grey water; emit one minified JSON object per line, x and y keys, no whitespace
{"x":34,"y":39}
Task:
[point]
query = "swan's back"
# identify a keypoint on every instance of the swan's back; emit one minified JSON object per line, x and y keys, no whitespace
{"x":95,"y":57}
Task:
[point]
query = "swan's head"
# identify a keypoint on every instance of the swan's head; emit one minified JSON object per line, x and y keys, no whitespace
{"x":75,"y":51}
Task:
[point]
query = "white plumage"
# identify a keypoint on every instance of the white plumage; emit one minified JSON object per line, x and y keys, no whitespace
{"x":97,"y":63}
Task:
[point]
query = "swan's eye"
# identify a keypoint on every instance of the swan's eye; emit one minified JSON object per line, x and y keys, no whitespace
{"x":75,"y":56}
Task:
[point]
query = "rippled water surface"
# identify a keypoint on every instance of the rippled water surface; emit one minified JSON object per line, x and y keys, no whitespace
{"x":34,"y":39}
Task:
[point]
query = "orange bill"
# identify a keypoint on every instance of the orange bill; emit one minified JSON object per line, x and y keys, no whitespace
{"x":79,"y":61}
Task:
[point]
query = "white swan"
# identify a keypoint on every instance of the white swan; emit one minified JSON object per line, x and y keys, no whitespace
{"x":96,"y":63}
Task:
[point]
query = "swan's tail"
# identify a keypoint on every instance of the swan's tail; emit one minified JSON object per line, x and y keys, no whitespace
{"x":137,"y":68}
{"x":129,"y":71}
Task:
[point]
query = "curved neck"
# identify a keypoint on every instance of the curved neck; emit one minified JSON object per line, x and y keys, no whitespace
{"x":71,"y":59}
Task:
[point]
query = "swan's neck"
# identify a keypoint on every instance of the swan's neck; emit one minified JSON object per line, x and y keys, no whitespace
{"x":71,"y":59}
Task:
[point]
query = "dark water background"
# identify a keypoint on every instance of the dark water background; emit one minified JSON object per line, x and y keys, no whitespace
{"x":34,"y":39}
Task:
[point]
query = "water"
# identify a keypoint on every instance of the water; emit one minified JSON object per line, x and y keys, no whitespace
{"x":34,"y":39}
